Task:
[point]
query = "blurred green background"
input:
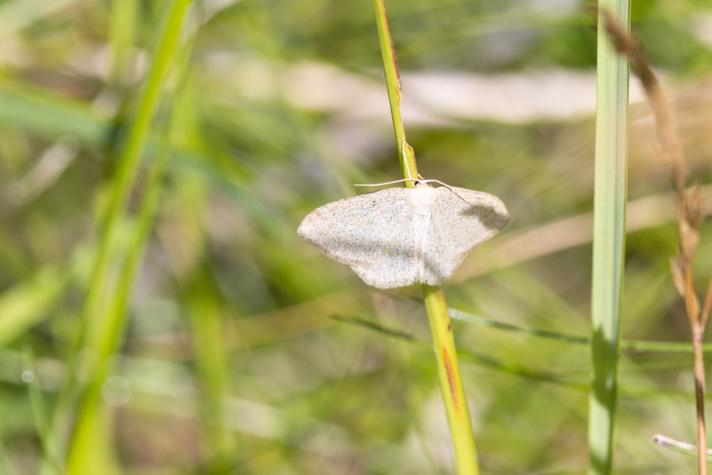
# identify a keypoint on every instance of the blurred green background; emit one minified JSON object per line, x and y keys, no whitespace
{"x":245,"y":350}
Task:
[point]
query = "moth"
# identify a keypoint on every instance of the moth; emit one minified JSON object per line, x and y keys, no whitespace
{"x":397,"y":237}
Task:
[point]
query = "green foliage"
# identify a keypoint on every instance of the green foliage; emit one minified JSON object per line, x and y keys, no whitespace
{"x":230,"y":360}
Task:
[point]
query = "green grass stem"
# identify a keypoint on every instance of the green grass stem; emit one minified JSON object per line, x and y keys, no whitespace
{"x":128,"y":161}
{"x":608,"y":240}
{"x":456,"y":407}
{"x":458,"y":414}
{"x":105,"y":307}
{"x":395,"y":93}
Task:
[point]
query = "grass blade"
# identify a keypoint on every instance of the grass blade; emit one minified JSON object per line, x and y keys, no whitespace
{"x":632,"y":346}
{"x":105,"y":306}
{"x":608,"y":240}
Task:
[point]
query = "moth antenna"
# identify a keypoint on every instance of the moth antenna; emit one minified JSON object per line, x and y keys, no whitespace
{"x":392,"y":182}
{"x":442,"y":183}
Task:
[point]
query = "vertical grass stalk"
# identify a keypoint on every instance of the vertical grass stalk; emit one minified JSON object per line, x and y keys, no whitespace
{"x":390,"y":68}
{"x":458,"y":412}
{"x":608,"y":239}
{"x":107,"y":296}
{"x":456,"y":408}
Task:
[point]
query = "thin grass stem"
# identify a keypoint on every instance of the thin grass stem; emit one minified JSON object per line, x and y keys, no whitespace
{"x":632,"y":346}
{"x":107,"y":297}
{"x":456,"y":407}
{"x":458,"y":414}
{"x":395,"y":93}
{"x":681,"y":447}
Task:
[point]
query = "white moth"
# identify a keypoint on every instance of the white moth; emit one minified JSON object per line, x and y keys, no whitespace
{"x":402,"y":236}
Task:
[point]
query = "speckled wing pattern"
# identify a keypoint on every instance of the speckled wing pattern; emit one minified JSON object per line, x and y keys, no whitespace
{"x":371,"y":233}
{"x":403,"y":236}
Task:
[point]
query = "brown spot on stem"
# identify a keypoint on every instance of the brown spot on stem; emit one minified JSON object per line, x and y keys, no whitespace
{"x":447,"y":362}
{"x":393,"y":52}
